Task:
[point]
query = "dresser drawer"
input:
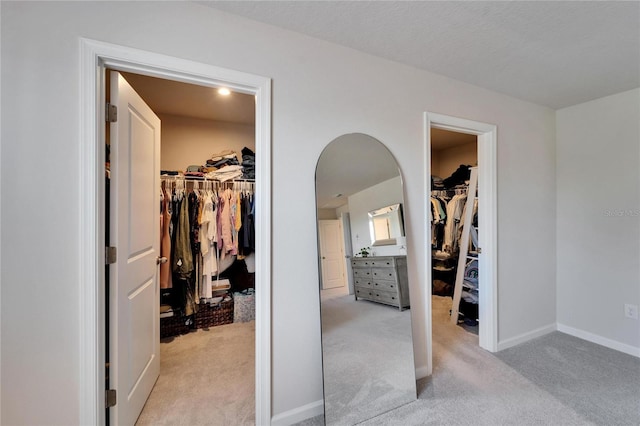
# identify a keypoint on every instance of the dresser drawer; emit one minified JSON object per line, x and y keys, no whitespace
{"x":363,"y":282}
{"x":385,"y":297}
{"x":361,"y":263}
{"x":384,"y":273}
{"x":383,"y":285}
{"x":383,"y":262}
{"x":362,"y":272}
{"x":365,"y":293}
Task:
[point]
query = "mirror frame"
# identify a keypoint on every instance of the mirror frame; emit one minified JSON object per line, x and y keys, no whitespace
{"x":408,"y":366}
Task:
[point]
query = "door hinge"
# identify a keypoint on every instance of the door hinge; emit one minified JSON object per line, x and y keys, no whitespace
{"x":110,"y":398}
{"x":110,"y":255}
{"x":111,"y":113}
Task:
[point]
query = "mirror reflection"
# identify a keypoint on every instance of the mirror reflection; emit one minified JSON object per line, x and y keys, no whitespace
{"x":367,"y":347}
{"x":386,"y":225}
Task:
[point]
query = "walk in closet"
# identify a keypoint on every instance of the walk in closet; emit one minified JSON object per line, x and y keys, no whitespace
{"x":453,"y":156}
{"x":207,"y":252}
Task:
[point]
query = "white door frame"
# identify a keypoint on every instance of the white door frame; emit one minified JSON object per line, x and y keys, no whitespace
{"x":487,"y":210}
{"x":345,"y":217}
{"x":95,"y":57}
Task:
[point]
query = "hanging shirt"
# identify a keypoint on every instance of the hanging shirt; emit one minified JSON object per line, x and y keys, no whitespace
{"x":183,"y":259}
{"x":227,"y":224}
{"x":207,"y":246}
{"x":454,"y":214}
{"x":165,"y":242}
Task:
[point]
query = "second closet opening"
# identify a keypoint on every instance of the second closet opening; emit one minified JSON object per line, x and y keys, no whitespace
{"x":455,"y":286}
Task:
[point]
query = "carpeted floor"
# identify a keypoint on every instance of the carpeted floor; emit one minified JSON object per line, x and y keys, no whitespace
{"x":207,"y":377}
{"x":600,"y":384}
{"x":553,"y":380}
{"x":367,"y":358}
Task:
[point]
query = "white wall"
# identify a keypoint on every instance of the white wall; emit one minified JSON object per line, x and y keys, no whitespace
{"x":598,"y":225}
{"x":327,"y":214}
{"x":361,"y":203}
{"x":320,"y":91}
{"x":190,"y":141}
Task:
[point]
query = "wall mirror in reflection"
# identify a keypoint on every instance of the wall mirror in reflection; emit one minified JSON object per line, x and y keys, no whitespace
{"x":386,"y":225}
{"x":367,"y":346}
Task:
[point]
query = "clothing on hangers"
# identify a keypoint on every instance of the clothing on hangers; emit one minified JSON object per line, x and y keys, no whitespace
{"x":210,"y":219}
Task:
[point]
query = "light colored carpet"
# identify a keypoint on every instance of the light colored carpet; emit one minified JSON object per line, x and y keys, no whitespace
{"x":553,"y":380}
{"x":207,"y":377}
{"x":601,"y":384}
{"x":367,"y":359}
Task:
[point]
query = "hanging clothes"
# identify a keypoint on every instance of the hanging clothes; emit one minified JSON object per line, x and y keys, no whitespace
{"x":183,"y":259}
{"x":455,"y":208}
{"x":165,"y":241}
{"x":208,"y":239}
{"x":209,"y":225}
{"x":226,"y":223}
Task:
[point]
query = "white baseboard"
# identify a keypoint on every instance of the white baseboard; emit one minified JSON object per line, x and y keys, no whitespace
{"x":599,"y":340}
{"x":422,"y":372}
{"x":298,"y":414}
{"x":513,"y":341}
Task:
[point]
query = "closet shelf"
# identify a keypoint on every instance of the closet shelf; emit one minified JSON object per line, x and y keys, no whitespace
{"x":202,"y":179}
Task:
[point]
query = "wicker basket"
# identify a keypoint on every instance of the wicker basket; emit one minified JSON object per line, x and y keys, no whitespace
{"x":212,"y":315}
{"x":174,"y":326}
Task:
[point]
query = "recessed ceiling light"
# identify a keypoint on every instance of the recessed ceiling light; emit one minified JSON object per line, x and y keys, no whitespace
{"x":224,"y":91}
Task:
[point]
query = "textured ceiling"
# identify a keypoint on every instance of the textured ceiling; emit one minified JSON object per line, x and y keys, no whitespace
{"x":553,"y":53}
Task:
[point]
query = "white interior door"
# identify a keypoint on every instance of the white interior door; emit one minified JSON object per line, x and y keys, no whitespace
{"x":135,"y":225}
{"x":331,"y":253}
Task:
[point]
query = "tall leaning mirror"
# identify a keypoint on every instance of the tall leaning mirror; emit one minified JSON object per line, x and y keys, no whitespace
{"x":367,"y":347}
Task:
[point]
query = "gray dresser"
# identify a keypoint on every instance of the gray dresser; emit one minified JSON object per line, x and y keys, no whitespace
{"x":381,"y":279}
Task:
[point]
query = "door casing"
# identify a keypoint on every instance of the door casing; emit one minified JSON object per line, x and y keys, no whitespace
{"x":487,"y":211}
{"x":95,"y":57}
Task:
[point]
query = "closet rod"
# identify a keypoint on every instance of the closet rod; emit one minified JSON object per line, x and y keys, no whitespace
{"x":202,"y":179}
